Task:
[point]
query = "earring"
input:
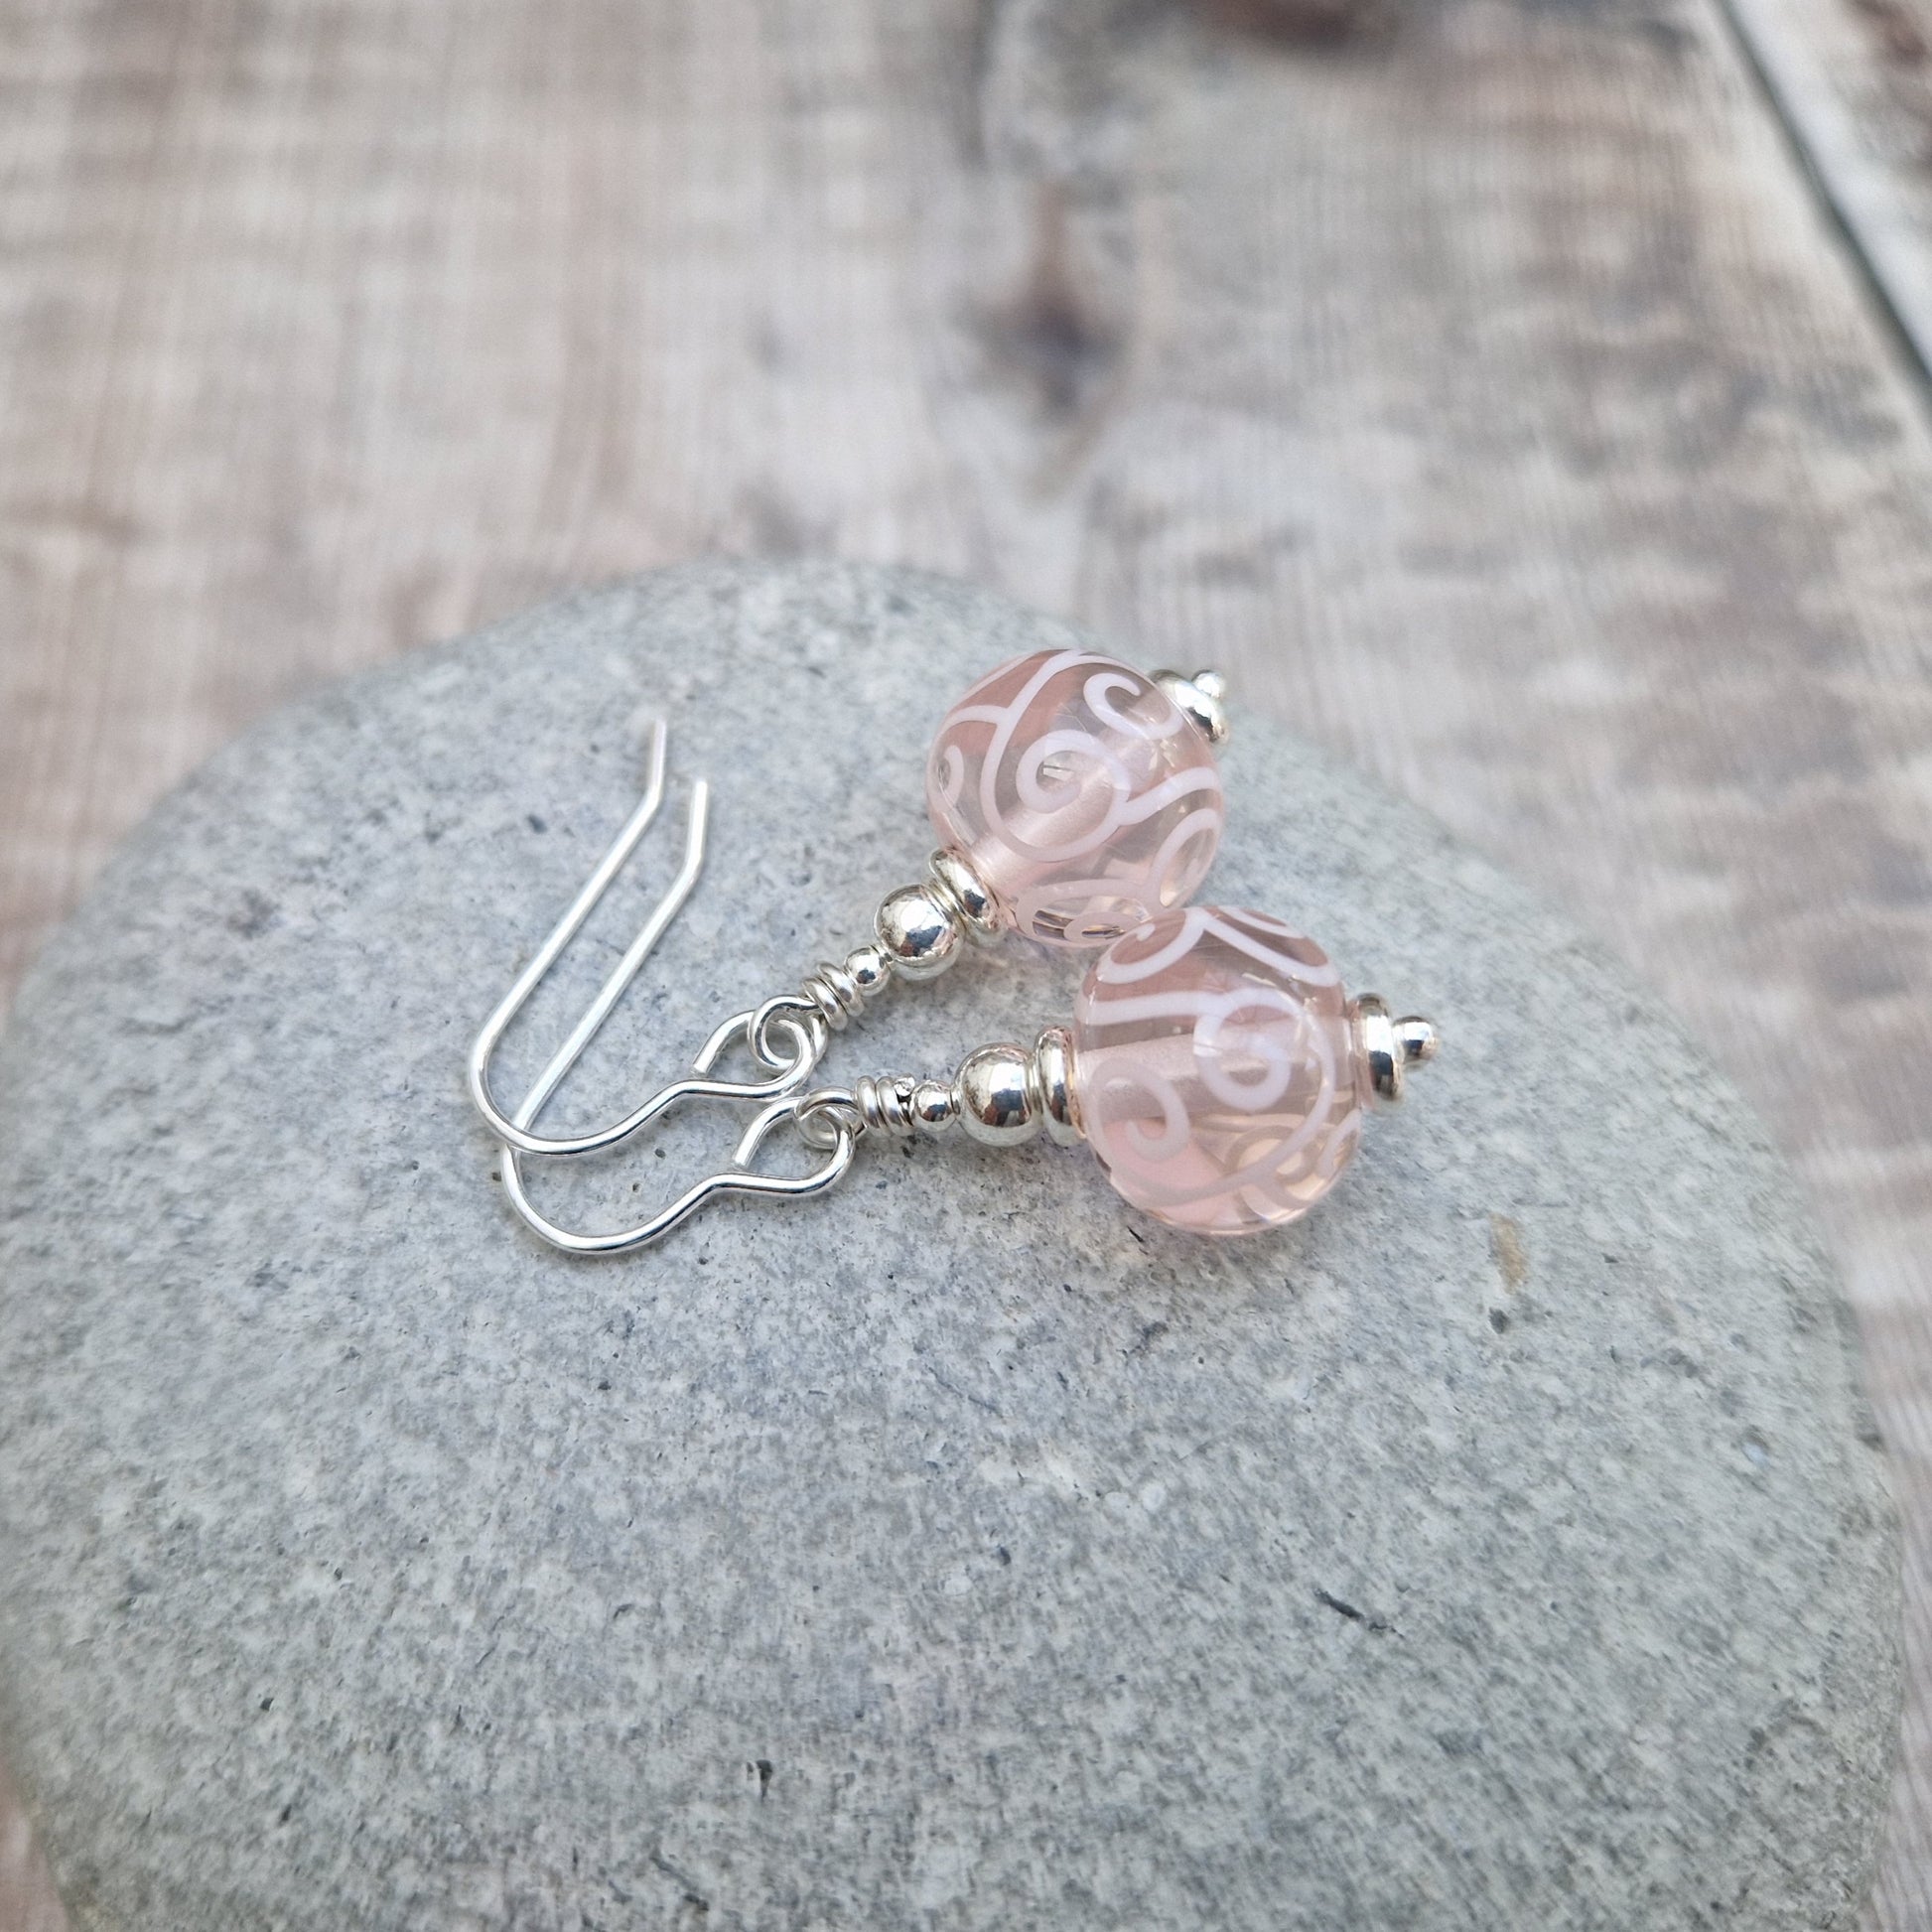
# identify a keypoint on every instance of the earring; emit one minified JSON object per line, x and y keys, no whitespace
{"x":1074,"y":796}
{"x":1213,"y":1064}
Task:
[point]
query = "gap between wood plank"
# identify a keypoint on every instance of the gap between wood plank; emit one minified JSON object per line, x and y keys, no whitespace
{"x":1911,"y":335}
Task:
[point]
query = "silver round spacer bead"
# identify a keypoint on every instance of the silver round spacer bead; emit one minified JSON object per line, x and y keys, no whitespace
{"x":871,"y":969}
{"x":920,"y":931}
{"x":1202,"y":701}
{"x":995,"y":1096}
{"x":968,"y":893}
{"x":1419,"y":1040}
{"x":1052,"y":1073}
{"x":931,"y":1106}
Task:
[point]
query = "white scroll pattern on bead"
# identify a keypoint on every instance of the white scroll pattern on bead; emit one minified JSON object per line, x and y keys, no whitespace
{"x":1217,"y":1072}
{"x":1083,"y":795}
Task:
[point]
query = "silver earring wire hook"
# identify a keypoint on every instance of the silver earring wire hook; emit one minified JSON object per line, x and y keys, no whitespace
{"x":514,"y":1129}
{"x":798,"y":1028}
{"x":800,"y":1042}
{"x":484,"y":1049}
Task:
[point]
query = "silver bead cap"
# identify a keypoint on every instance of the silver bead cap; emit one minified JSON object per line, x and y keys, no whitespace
{"x":1202,"y":701}
{"x":1052,"y":1078}
{"x":1390,"y":1048}
{"x":970,"y":899}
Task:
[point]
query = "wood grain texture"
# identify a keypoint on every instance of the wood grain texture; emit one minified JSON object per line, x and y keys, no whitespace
{"x":1479,"y":380}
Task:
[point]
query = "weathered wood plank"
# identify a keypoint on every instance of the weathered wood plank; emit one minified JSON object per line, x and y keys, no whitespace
{"x":1852,"y":79}
{"x":1482,"y":386}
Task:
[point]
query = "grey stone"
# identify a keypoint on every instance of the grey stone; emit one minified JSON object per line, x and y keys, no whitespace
{"x":1507,"y":1546}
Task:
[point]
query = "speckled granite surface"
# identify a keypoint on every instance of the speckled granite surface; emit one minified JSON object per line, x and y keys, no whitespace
{"x":1506,"y":1546}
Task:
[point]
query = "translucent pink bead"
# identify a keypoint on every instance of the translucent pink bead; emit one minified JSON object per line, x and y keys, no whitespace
{"x":1215,"y":1070}
{"x":1084,"y":800}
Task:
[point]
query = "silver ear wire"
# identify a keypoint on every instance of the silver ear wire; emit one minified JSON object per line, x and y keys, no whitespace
{"x":514,"y":1129}
{"x":786,"y":1033}
{"x":482,"y":1051}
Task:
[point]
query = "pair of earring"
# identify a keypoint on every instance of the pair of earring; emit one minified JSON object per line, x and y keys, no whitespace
{"x":1213,"y":1061}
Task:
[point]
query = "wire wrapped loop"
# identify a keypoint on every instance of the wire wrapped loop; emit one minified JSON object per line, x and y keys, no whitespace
{"x":803,"y":1027}
{"x":840,"y":994}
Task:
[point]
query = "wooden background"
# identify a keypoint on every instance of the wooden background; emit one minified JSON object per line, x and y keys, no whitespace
{"x":1526,"y":398}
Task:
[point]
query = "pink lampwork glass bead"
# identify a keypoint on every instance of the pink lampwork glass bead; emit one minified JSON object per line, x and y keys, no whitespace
{"x":1083,"y":798}
{"x":1215,"y":1070}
